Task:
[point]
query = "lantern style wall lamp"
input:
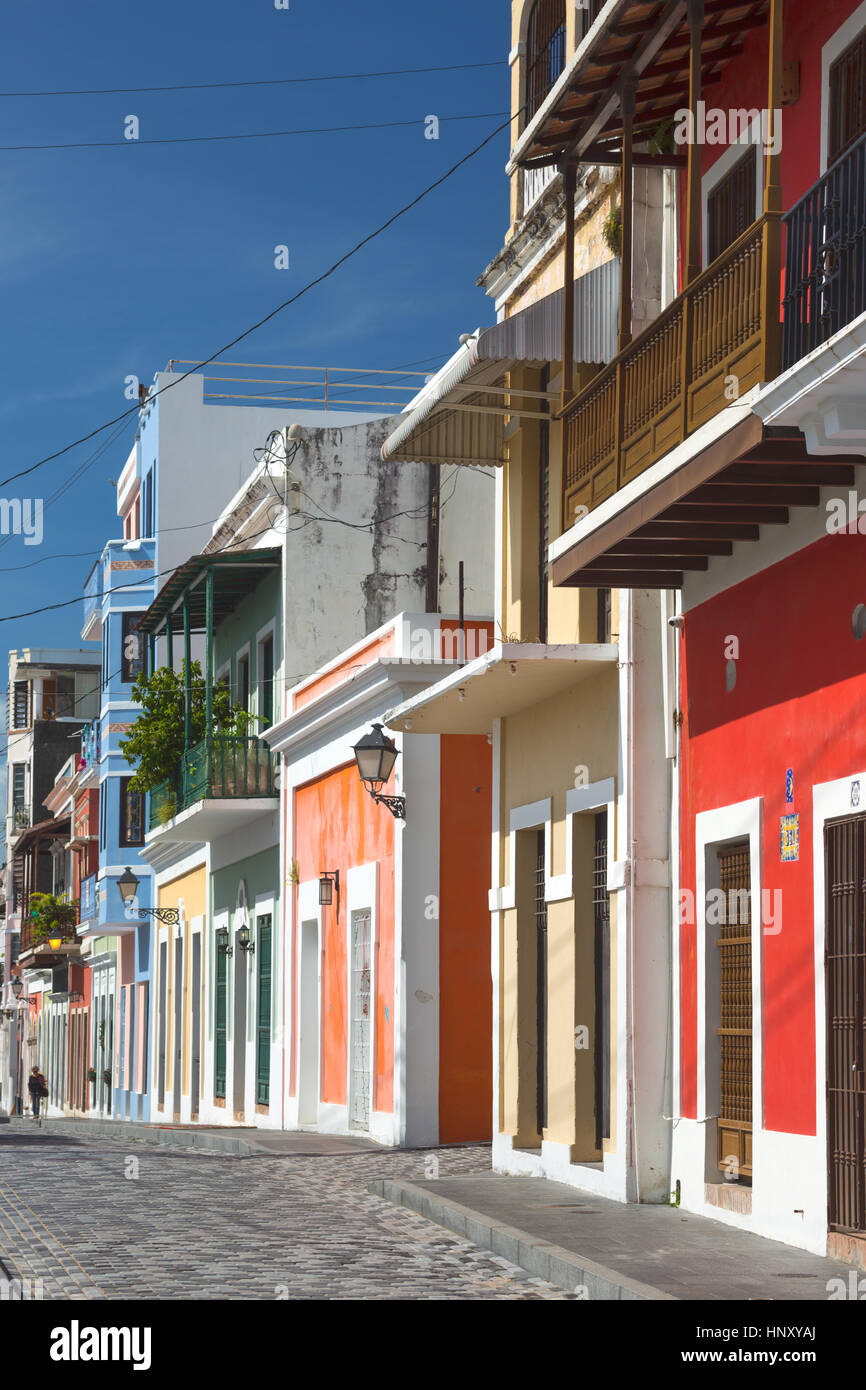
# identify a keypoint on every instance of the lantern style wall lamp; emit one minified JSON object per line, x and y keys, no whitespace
{"x":376,"y":755}
{"x":329,"y":884}
{"x":221,"y":937}
{"x":128,"y":885}
{"x":245,"y":940}
{"x":17,"y":986}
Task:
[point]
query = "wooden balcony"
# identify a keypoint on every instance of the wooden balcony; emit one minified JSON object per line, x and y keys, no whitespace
{"x":678,"y":373}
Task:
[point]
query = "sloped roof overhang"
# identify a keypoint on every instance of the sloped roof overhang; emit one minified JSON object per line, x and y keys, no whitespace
{"x":459,"y":417}
{"x":236,"y":574}
{"x":644,"y":41}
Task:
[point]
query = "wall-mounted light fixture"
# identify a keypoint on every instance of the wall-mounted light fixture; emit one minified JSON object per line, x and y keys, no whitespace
{"x":245,"y":940}
{"x":55,"y":942}
{"x":376,"y":755}
{"x":17,"y":986}
{"x":221,"y":937}
{"x":128,"y":885}
{"x":329,"y":884}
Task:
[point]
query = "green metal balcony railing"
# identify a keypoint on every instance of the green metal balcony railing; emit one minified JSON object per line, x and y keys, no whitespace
{"x":230,"y":768}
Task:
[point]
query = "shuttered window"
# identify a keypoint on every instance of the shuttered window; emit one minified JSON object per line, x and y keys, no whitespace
{"x":601,"y":914}
{"x":263,"y":1025}
{"x":847,"y":98}
{"x":541,"y":984}
{"x":735,"y":1030}
{"x":221,"y":1010}
{"x":20,"y":704}
{"x":731,"y":206}
{"x":845,"y":973}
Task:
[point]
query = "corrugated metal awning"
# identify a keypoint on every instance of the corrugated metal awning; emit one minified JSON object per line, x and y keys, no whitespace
{"x":459,"y":416}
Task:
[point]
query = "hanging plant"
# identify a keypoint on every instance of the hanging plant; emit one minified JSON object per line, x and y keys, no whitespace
{"x":295,"y":872}
{"x":611,"y":230}
{"x":662,"y":139}
{"x":91,"y":1074}
{"x":52,"y":916}
{"x":106,"y":1076}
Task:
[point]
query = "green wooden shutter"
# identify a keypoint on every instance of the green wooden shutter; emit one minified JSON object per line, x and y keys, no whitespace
{"x":263,"y":1029}
{"x":219,"y":1074}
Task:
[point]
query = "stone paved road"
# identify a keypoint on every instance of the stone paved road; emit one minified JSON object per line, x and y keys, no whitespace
{"x":97,"y":1218}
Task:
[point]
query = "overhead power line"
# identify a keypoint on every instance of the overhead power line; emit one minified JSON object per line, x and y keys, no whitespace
{"x":259,"y":82}
{"x":249,"y":135}
{"x":247,"y":332}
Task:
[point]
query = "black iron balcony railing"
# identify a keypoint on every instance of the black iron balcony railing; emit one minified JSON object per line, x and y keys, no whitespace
{"x":230,"y":767}
{"x":825,"y":258}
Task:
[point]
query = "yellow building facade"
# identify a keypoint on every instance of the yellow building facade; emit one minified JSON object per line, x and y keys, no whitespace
{"x":579,"y":1015}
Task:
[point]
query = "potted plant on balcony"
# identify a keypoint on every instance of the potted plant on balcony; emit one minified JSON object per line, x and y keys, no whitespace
{"x":106,"y":1076}
{"x":155,"y":745}
{"x":91,"y":1075}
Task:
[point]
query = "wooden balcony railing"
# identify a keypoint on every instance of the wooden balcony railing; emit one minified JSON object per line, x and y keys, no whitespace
{"x":717,"y":339}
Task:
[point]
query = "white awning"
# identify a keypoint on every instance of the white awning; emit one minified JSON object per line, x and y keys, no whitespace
{"x":459,"y":415}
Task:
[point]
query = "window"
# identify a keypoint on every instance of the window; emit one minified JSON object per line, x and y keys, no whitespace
{"x":20,"y":704}
{"x":847,"y":98}
{"x":131,"y":659}
{"x":147,"y":504}
{"x":545,"y":51}
{"x":601,"y":915}
{"x":540,"y":985}
{"x":263,"y":1028}
{"x":65,"y":697}
{"x":604,"y":623}
{"x":731,"y":205}
{"x":19,"y":795}
{"x":131,"y":815}
{"x":735,"y":1014}
{"x":220,"y":1024}
{"x":266,"y":682}
{"x":243,"y":685}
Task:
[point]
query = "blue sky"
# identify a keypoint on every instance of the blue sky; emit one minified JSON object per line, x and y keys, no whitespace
{"x":114,"y":260}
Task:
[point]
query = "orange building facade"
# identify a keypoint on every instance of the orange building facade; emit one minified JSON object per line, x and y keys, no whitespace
{"x":388,"y":997}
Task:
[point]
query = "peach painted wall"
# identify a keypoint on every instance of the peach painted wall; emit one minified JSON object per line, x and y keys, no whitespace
{"x":338,"y":827}
{"x":465,"y":987}
{"x":382,"y":646}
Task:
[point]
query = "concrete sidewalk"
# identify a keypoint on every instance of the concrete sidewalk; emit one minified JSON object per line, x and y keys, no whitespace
{"x":239,"y":1141}
{"x":614,"y":1250}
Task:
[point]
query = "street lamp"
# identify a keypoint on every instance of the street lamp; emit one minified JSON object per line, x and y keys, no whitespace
{"x":128,"y":885}
{"x":376,"y":755}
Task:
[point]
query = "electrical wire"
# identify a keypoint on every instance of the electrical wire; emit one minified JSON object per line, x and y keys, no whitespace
{"x":249,"y":135}
{"x":247,"y":332}
{"x":259,"y":82}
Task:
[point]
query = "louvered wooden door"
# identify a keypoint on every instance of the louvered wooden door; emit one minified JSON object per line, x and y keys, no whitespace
{"x":845,"y":976}
{"x":735,"y":1017}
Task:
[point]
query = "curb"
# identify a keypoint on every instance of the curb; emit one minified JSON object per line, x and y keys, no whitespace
{"x":540,"y":1259}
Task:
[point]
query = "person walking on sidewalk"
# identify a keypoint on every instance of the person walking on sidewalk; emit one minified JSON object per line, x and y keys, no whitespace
{"x":38,"y":1088}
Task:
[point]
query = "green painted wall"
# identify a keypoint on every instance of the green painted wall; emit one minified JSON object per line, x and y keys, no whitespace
{"x":251,"y":615}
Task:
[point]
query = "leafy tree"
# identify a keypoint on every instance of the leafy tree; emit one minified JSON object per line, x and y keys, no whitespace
{"x":156,"y":740}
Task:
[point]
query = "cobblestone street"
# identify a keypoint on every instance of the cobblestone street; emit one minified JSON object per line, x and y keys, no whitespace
{"x":108,"y":1219}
